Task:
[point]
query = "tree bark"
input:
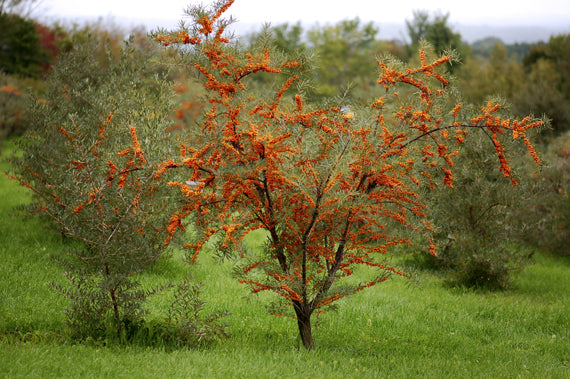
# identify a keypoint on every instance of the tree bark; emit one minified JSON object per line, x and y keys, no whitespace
{"x":304,"y":322}
{"x":116,"y":312}
{"x":114,"y":302}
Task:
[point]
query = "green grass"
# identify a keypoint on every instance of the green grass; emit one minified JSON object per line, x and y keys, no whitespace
{"x":392,"y":330}
{"x":27,"y":304}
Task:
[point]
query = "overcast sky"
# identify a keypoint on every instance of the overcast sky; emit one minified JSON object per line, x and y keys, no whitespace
{"x":167,"y":13}
{"x":515,"y":12}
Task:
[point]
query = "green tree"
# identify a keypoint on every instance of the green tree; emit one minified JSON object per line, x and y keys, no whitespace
{"x":498,"y":74}
{"x":418,"y":27}
{"x":541,"y":94}
{"x":345,"y":55}
{"x":289,"y":38}
{"x":20,"y":51}
{"x":547,"y":88}
{"x":436,"y":31}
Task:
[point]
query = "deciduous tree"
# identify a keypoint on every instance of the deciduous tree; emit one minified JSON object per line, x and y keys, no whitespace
{"x":436,"y":31}
{"x":344,"y":53}
{"x":21,"y":53}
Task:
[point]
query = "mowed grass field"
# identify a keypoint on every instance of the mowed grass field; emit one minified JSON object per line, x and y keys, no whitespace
{"x":396,"y":329}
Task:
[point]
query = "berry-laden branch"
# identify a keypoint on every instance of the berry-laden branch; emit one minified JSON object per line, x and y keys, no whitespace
{"x":328,"y":188}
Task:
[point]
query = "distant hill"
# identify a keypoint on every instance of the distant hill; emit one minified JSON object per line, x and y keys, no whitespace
{"x":510,"y":34}
{"x":388,"y":31}
{"x":469,"y":33}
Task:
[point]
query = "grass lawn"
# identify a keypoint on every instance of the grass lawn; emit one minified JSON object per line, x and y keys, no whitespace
{"x":392,"y":330}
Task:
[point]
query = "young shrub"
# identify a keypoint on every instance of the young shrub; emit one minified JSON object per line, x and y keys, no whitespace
{"x":90,"y":159}
{"x":326,"y":186}
{"x":552,"y":207}
{"x":477,"y":225}
{"x":189,"y":325}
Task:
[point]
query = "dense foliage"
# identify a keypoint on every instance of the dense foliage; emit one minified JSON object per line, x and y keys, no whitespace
{"x":477,"y":222}
{"x":330,"y":189}
{"x":550,"y":210}
{"x":13,"y":104}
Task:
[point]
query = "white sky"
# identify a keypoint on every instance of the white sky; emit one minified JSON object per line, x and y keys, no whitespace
{"x":166,"y":13}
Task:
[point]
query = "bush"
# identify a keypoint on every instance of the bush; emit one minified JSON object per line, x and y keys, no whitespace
{"x":325,"y":184}
{"x":92,"y":158}
{"x":552,"y":207}
{"x":12,"y":105}
{"x":478,"y":230}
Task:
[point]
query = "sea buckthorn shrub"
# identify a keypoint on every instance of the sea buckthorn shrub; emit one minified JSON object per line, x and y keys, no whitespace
{"x":478,"y":228}
{"x":552,"y":207}
{"x":92,"y":159}
{"x":324,"y":183}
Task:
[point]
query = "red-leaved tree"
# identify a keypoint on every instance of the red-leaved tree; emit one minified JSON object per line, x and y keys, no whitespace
{"x":327,"y":186}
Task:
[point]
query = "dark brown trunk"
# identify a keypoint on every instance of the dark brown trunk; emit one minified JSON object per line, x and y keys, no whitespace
{"x":304,"y":323}
{"x":116,"y":312}
{"x":115,"y":303}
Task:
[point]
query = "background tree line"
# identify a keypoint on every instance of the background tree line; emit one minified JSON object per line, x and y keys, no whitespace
{"x":343,"y":57}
